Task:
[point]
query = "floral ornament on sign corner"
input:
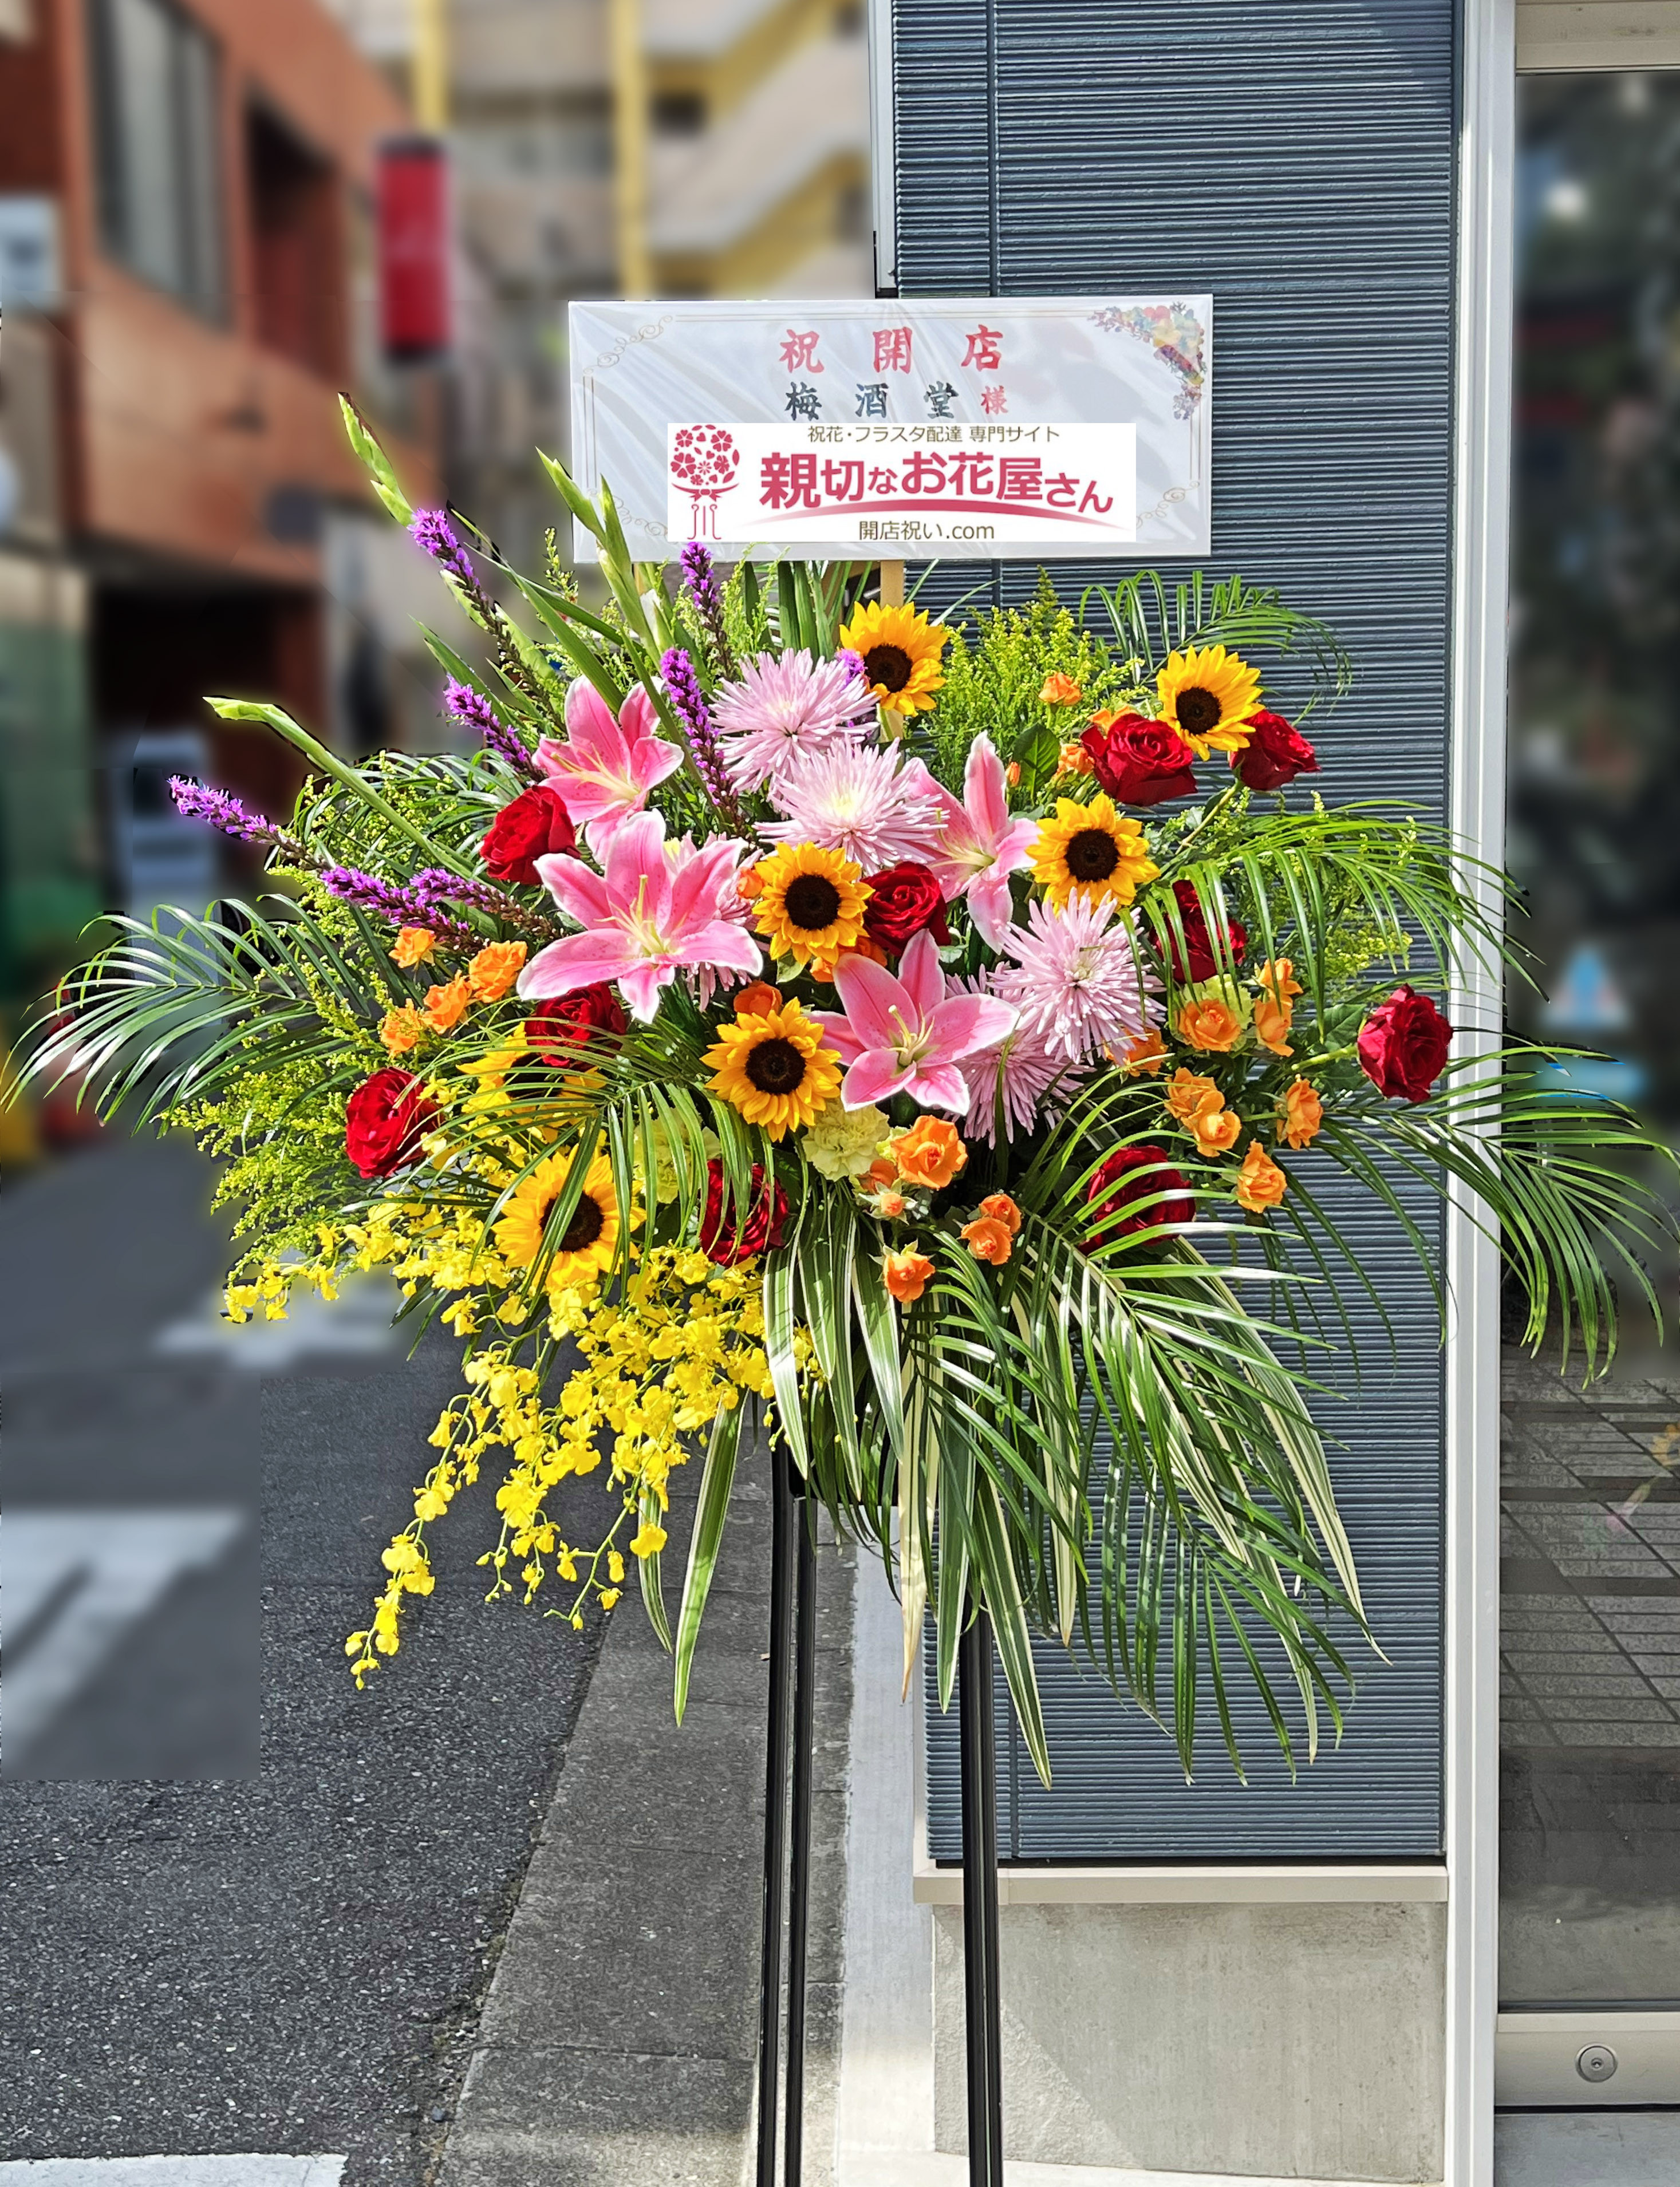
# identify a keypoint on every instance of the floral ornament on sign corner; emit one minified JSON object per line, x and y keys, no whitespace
{"x":1175,"y":333}
{"x":704,"y":462}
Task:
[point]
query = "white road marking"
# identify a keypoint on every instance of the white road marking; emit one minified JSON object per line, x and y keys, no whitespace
{"x":171,"y":2172}
{"x":357,"y":1321}
{"x":91,"y":1574}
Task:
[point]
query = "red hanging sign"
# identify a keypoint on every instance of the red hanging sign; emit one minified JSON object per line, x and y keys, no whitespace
{"x":413,"y":209}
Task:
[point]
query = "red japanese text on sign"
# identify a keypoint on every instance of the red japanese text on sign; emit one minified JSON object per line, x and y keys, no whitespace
{"x":798,"y":352}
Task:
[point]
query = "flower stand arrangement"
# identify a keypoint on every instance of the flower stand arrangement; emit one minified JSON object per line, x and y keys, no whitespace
{"x":926,"y":1043}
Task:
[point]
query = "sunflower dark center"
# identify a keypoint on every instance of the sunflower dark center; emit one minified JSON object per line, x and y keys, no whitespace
{"x":889,"y":665}
{"x":775,"y":1066}
{"x":1197,"y":712}
{"x":812,"y":902}
{"x":587,"y":1222}
{"x":1092,"y":854}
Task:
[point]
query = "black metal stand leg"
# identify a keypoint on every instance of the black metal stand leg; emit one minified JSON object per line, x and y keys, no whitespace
{"x":980,"y":1904}
{"x":782,"y":1575}
{"x":798,"y":1889}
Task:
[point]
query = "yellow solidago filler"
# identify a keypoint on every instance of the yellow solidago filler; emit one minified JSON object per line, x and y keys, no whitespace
{"x":901,"y":651}
{"x":1208,"y":694}
{"x":809,"y":905}
{"x":772,"y":1066}
{"x":589,"y":1244}
{"x":1092,"y":851}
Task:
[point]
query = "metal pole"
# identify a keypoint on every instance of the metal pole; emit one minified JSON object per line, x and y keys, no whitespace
{"x":783,"y":1520}
{"x":980,"y":1904}
{"x":799,"y":1892}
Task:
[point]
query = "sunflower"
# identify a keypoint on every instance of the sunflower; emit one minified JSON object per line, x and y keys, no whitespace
{"x":1208,"y":694}
{"x":901,"y":651}
{"x":772,"y":1066}
{"x":590,"y":1242}
{"x":809,"y":904}
{"x":1091,"y":851}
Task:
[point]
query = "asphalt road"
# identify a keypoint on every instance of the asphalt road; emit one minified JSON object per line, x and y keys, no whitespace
{"x":289,"y":1959}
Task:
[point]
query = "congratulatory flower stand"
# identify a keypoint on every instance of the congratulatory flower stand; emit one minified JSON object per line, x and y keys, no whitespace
{"x":785,"y":1008}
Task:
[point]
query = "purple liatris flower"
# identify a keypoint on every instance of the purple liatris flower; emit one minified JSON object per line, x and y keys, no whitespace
{"x":435,"y":884}
{"x":682,"y":688}
{"x":781,"y":710}
{"x":700,"y":574}
{"x":431,"y":530}
{"x":473,"y":708}
{"x":221,"y":809}
{"x":367,"y":892}
{"x":402,"y":907}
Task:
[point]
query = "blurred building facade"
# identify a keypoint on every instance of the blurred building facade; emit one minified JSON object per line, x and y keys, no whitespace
{"x":187,"y":269}
{"x":682,"y":148}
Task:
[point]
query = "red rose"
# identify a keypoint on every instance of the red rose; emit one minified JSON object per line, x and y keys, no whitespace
{"x":1132,"y":1178}
{"x":1275,"y":754}
{"x":534,"y":824}
{"x":1139,"y":761}
{"x":903,"y":900}
{"x":1403,"y":1045}
{"x":383,"y":1120}
{"x":1196,"y":960}
{"x":560,"y":1028}
{"x":723,"y":1240}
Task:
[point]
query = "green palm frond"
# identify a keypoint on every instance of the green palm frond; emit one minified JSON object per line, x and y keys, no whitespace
{"x":1150,"y":621}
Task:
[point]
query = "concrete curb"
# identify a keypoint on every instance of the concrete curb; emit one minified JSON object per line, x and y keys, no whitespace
{"x":619,"y":2037}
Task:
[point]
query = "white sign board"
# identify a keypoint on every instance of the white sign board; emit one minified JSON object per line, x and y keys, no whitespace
{"x":971,"y":428}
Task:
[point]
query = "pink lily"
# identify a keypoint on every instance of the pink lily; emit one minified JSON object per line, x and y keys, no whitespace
{"x":905,"y":1035}
{"x":658,"y":909}
{"x":606,"y":767}
{"x":980,"y":845}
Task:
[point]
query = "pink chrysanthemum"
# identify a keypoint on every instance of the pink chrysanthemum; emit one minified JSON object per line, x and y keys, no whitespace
{"x":863,"y":802}
{"x":780,"y":709}
{"x":1076,"y":981}
{"x":1016,"y":1073}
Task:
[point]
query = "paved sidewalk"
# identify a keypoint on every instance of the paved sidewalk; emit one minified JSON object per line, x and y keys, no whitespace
{"x":619,"y":2037}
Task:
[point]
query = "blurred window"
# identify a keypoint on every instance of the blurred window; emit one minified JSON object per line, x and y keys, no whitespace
{"x":679,"y":113}
{"x":1595,"y":661}
{"x":155,"y":85}
{"x":852,"y":212}
{"x":295,"y":255}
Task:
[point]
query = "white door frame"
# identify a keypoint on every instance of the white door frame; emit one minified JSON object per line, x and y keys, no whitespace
{"x":1480,"y":560}
{"x":1498,"y":38}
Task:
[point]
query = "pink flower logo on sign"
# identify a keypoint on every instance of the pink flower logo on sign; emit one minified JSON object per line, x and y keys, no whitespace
{"x":704,"y":461}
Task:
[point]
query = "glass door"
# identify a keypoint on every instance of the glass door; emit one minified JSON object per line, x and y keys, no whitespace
{"x":1589,"y":1954}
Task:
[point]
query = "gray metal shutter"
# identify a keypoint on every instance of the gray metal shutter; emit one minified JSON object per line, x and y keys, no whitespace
{"x":1297,"y":161}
